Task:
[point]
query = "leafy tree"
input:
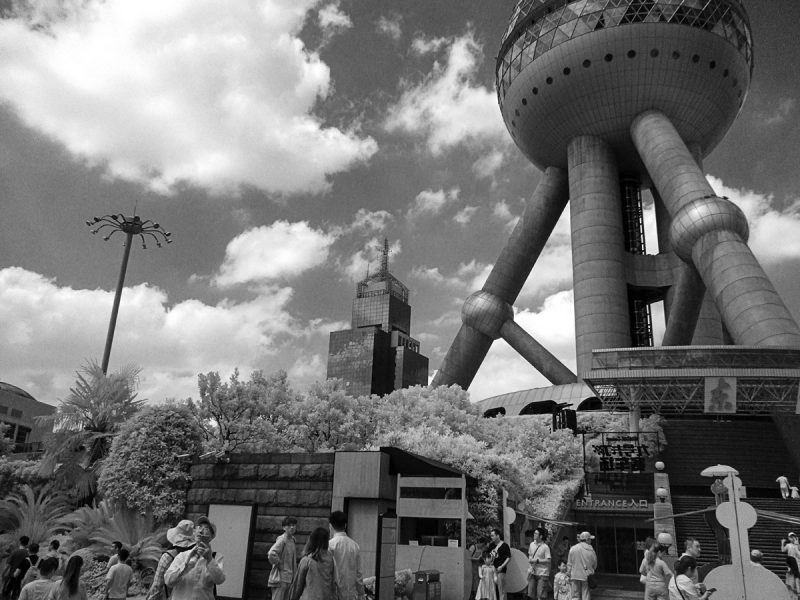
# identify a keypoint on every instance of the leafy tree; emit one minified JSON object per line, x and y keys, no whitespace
{"x":84,"y":423}
{"x":326,"y":419}
{"x":242,"y":415}
{"x":96,"y":528}
{"x":141,"y":471}
{"x":35,"y":514}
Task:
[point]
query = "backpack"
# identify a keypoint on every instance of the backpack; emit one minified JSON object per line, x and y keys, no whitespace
{"x":32,"y":574}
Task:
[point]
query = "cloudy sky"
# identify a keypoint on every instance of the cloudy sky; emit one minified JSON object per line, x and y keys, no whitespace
{"x":280,"y":141}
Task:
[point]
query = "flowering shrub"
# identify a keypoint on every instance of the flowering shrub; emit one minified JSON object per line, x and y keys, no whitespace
{"x":141,"y":472}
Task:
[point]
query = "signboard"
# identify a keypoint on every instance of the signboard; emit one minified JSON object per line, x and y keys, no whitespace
{"x":613,"y":504}
{"x":720,"y":395}
{"x":620,"y":452}
{"x":233,"y":543}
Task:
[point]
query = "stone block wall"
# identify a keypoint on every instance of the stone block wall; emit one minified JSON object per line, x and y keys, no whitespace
{"x":300,"y":485}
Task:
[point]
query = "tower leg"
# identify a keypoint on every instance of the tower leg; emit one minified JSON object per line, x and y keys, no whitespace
{"x":710,"y":232}
{"x":507,"y":277}
{"x":598,"y":263}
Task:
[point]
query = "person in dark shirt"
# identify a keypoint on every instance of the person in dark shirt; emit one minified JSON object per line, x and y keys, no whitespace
{"x":17,"y":566}
{"x":501,"y":555}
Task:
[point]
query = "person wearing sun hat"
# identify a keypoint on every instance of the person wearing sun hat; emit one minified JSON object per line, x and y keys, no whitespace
{"x":194,"y":573}
{"x":581,"y":562}
{"x":180,"y":539}
{"x":792,"y":551}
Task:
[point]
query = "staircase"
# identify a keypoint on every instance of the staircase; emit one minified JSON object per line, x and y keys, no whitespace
{"x":767,"y":533}
{"x":755,"y":448}
{"x":695,"y":526}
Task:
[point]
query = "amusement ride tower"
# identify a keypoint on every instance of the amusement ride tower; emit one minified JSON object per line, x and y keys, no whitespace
{"x":610,"y":97}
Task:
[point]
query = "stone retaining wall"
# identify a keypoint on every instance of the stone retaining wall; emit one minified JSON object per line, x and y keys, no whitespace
{"x":300,"y":485}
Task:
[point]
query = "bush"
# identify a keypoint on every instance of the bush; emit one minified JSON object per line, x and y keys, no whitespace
{"x":141,"y":472}
{"x":15,"y":474}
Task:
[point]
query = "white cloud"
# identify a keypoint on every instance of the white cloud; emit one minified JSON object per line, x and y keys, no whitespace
{"x":464,"y":216}
{"x":774,"y":233}
{"x":332,"y":18}
{"x":501,"y":211}
{"x":429,"y":203}
{"x":488,"y":164}
{"x":370,"y":221}
{"x":213,"y":93}
{"x":422,"y":45}
{"x":390,"y":26}
{"x":273,"y":252}
{"x":448,"y":108}
{"x":308,"y":369}
{"x":40,"y":320}
{"x":503,"y":370}
{"x":468,"y":277}
{"x":781,"y":112}
{"x":355,"y":267}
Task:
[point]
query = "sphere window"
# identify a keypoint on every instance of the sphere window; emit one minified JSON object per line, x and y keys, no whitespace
{"x":695,"y":59}
{"x":609,"y":57}
{"x":735,"y":82}
{"x":567,"y":71}
{"x":676,"y":55}
{"x":524,"y":102}
{"x":516,"y":112}
{"x":587,"y":63}
{"x":535,"y":91}
{"x":712,"y":64}
{"x":549,"y":80}
{"x":631,"y":53}
{"x":513,"y":123}
{"x":725,"y":73}
{"x":654,"y":52}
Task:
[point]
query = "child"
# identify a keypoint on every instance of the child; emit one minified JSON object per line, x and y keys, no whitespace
{"x":486,"y":590}
{"x":561,"y":587}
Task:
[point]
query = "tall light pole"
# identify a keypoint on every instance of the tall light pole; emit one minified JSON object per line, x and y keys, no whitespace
{"x":130,"y":226}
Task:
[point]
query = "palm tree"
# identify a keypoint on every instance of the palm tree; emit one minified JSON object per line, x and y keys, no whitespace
{"x":35,"y":514}
{"x":100,"y":526}
{"x":84,"y":423}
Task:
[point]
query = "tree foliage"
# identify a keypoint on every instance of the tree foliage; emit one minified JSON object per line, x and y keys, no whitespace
{"x":16,"y":473}
{"x":97,"y":527}
{"x":36,"y":514}
{"x":142,"y":472}
{"x":84,"y":424}
{"x":237,"y":415}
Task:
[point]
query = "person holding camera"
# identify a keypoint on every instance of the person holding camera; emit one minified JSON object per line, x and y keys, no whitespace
{"x":195,"y":573}
{"x":681,"y":587}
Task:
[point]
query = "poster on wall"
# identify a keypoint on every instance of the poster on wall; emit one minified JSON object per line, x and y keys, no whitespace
{"x":234,"y":523}
{"x":720,"y":395}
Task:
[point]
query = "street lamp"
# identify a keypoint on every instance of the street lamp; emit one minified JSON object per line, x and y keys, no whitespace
{"x":130,"y":226}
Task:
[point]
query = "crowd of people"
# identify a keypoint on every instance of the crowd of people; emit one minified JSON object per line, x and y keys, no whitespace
{"x":329,"y":568}
{"x":576,"y":566}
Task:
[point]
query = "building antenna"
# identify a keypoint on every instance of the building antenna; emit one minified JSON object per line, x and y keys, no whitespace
{"x":385,"y":258}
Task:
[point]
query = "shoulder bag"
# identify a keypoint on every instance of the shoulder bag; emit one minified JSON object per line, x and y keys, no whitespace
{"x":591,"y":580}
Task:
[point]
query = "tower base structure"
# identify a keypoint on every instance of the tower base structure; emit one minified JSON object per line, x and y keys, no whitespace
{"x":614,"y":281}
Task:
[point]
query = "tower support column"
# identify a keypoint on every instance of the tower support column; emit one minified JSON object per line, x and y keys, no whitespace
{"x":505,"y":280}
{"x":602,"y":315}
{"x":710,"y":232}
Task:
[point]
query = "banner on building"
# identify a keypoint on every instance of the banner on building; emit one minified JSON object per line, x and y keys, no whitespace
{"x":620,"y":452}
{"x":720,"y":395}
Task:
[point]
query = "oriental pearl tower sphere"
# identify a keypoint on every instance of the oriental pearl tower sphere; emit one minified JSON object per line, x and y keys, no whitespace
{"x":608,"y":98}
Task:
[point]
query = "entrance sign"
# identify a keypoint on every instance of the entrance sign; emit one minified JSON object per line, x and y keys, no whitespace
{"x":612,"y":504}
